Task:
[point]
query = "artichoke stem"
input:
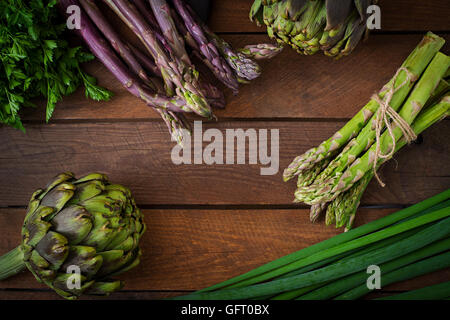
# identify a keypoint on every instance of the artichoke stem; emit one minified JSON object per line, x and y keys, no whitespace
{"x":11,"y":263}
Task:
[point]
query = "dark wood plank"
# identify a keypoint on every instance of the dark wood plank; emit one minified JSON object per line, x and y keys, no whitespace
{"x":398,"y":15}
{"x":291,"y":86}
{"x":48,"y":294}
{"x":138,"y":155}
{"x":190,"y":249}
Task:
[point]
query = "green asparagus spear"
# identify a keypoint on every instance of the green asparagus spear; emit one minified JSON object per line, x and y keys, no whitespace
{"x":436,"y":292}
{"x":316,"y":211}
{"x":348,"y":202}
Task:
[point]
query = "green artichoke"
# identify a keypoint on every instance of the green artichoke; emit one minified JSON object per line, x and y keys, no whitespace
{"x":77,"y":234}
{"x":308,"y":26}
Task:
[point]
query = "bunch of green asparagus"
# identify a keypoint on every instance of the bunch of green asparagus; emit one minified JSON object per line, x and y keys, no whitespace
{"x":333,"y":26}
{"x":163,"y":75}
{"x":404,"y":245}
{"x":333,"y":176}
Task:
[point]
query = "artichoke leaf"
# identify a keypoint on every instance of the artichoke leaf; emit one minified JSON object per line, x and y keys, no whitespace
{"x":85,"y":258}
{"x":101,"y":234}
{"x":39,"y":267}
{"x":91,"y":177}
{"x":36,"y":227}
{"x":105,"y":288}
{"x":133,"y":262}
{"x":54,"y":248}
{"x":337,"y":12}
{"x":74,"y":222}
{"x":60,"y":285}
{"x":295,"y":8}
{"x":58,"y":196}
{"x":87,"y":190}
{"x":57,"y":180}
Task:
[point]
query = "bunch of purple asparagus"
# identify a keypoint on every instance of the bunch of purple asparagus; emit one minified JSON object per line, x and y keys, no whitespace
{"x":163,"y":75}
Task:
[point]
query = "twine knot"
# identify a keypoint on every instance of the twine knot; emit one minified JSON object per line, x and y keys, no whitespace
{"x":387,"y":115}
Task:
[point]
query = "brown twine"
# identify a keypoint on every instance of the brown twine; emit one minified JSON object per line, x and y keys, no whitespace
{"x":386,"y":113}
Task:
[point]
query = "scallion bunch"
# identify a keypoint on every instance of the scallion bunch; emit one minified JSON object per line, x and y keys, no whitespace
{"x":404,"y":245}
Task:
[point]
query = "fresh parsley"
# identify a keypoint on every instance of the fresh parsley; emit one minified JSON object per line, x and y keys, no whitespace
{"x":36,"y":60}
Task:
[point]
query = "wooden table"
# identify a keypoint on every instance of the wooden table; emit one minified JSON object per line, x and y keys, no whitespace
{"x":209,"y":223}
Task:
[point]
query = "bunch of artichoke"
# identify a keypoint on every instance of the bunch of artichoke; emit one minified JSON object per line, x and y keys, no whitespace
{"x":333,"y":26}
{"x":77,"y":234}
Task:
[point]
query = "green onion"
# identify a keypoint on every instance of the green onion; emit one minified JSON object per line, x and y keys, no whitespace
{"x":359,"y":279}
{"x":435,"y":292}
{"x":296,"y":293}
{"x":348,"y":246}
{"x":299,"y":292}
{"x":429,"y":235}
{"x":414,"y":270}
{"x":266,"y":271}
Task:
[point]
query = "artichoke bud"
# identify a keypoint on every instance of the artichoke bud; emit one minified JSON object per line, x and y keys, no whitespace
{"x":88,"y":224}
{"x":328,"y":23}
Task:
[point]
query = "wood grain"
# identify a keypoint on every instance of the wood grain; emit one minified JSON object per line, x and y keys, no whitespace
{"x":398,"y":15}
{"x":138,"y":155}
{"x":187,"y":250}
{"x":291,"y":86}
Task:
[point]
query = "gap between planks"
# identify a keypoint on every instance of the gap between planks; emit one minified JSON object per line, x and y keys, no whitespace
{"x":236,"y":207}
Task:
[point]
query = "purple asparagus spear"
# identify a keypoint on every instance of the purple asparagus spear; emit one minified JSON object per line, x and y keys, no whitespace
{"x":261,"y":51}
{"x":245,"y":68}
{"x":208,"y":50}
{"x":161,"y":11}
